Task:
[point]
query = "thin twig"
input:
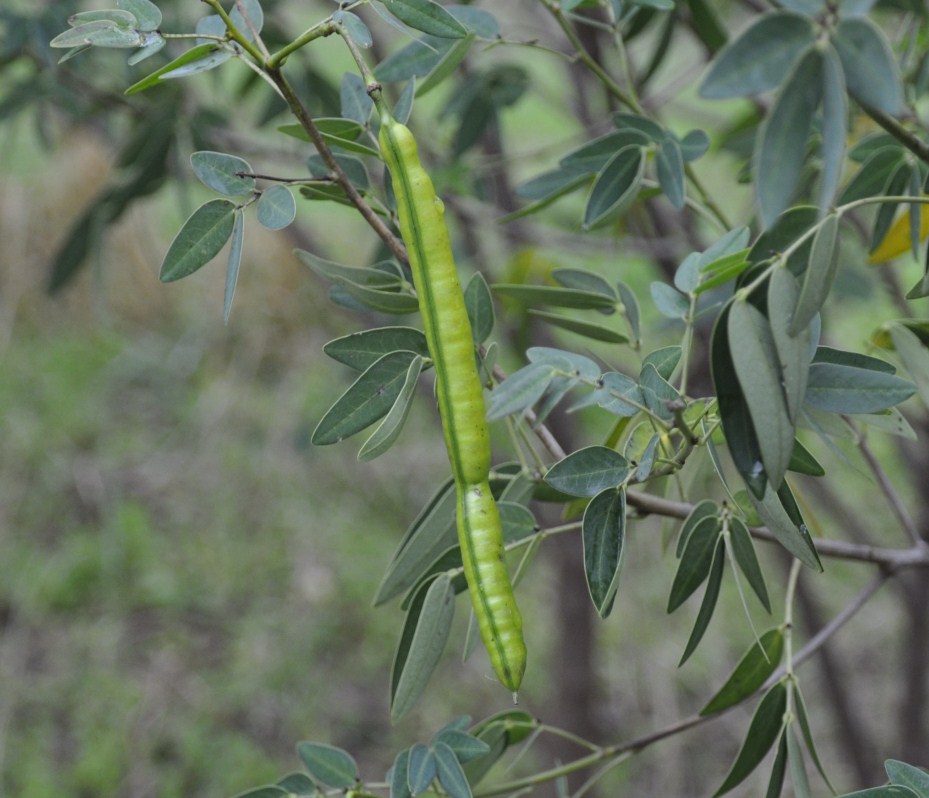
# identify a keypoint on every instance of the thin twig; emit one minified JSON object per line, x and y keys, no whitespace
{"x":890,"y":492}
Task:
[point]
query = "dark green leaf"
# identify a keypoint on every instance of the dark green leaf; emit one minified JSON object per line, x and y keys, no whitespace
{"x":669,"y":163}
{"x":553,"y":295}
{"x":604,"y":532}
{"x":778,"y":770}
{"x":760,"y":57}
{"x":199,"y":240}
{"x":588,"y":471}
{"x":298,"y":783}
{"x":425,"y":631}
{"x":706,"y":25}
{"x":432,"y":533}
{"x":593,"y":156}
{"x":421,"y":768}
{"x":480,"y":306}
{"x":451,"y":776}
{"x":465,"y":746}
{"x":194,"y":56}
{"x":803,"y":462}
{"x":545,"y":189}
{"x":694,"y":144}
{"x":792,"y":536}
{"x":597,"y":332}
{"x":146,"y":13}
{"x":756,"y":665}
{"x":703,"y":509}
{"x":798,"y":777}
{"x":708,"y":605}
{"x":360,"y":349}
{"x":847,"y":389}
{"x":428,"y":17}
{"x":871,"y":70}
{"x":839,"y":357}
{"x":757,"y":366}
{"x":399,"y":776}
{"x":819,"y":275}
{"x":330,"y":766}
{"x":793,"y":349}
{"x":874,"y":174}
{"x":664,"y":360}
{"x":615,"y":186}
{"x":764,"y":729}
{"x":696,"y":560}
{"x":446,"y":65}
{"x":780,"y":150}
{"x":371,"y":396}
{"x":744,"y":552}
{"x":389,"y":429}
{"x":583,"y":280}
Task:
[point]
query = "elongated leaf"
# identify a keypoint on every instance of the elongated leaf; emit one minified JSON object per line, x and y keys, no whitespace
{"x":298,"y":783}
{"x":480,"y":307}
{"x":803,"y":720}
{"x":756,"y":665}
{"x":757,"y":366}
{"x":451,"y":776}
{"x":734,"y":413}
{"x":708,"y":605}
{"x":389,"y":429}
{"x":118,"y":17}
{"x":360,"y":349}
{"x":780,"y":150}
{"x":871,"y":70}
{"x":904,"y":775}
{"x":432,"y":533}
{"x":371,"y":396}
{"x":696,"y":560}
{"x":792,"y":536}
{"x":421,"y":769}
{"x":744,"y":552}
{"x":604,"y":533}
{"x":270,"y":791}
{"x":199,"y":240}
{"x":798,"y":777}
{"x":146,"y":13}
{"x":915,"y":358}
{"x":764,"y":729}
{"x":839,"y":357}
{"x":428,"y":17}
{"x":890,"y":791}
{"x":591,"y":157}
{"x":703,"y":509}
{"x":449,"y":62}
{"x":398,"y":777}
{"x":154,"y":43}
{"x":276,"y":207}
{"x":466,"y":747}
{"x":778,"y":770}
{"x":834,"y":127}
{"x":357,"y":31}
{"x":598,"y":332}
{"x":518,"y":392}
{"x":847,"y":389}
{"x":553,"y":295}
{"x":793,"y":351}
{"x":760,"y":57}
{"x":669,"y":163}
{"x":669,"y":302}
{"x":330,"y":766}
{"x":583,"y":280}
{"x":544,"y":190}
{"x":235,"y":261}
{"x":899,"y":238}
{"x":425,"y":631}
{"x":819,"y":275}
{"x":222,"y":173}
{"x":615,"y":187}
{"x":191,"y":56}
{"x":588,"y":471}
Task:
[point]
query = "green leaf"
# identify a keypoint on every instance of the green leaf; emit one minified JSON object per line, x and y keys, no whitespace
{"x":780,"y":150}
{"x":615,"y":187}
{"x":466,"y":747}
{"x":597,"y":332}
{"x":222,"y":173}
{"x":415,"y":60}
{"x":891,"y":791}
{"x":874,"y":174}
{"x":276,"y":207}
{"x":389,"y":429}
{"x":839,"y":357}
{"x":480,"y":306}
{"x":584,"y":280}
{"x":834,"y":129}
{"x":630,"y":309}
{"x":235,"y":260}
{"x":248,"y":17}
{"x":778,"y":770}
{"x":669,"y":163}
{"x":544,"y":190}
{"x":708,"y":605}
{"x":330,"y":766}
{"x":371,"y":396}
{"x":154,"y":43}
{"x":146,"y":13}
{"x":798,"y":777}
{"x":803,"y":462}
{"x":428,"y":17}
{"x":756,"y":361}
{"x":432,"y":533}
{"x":271,"y":791}
{"x":670,"y":303}
{"x":520,"y":391}
{"x":588,"y":471}
{"x":451,"y":776}
{"x":803,"y":720}
{"x":446,"y":65}
{"x":764,"y":729}
{"x":553,"y":295}
{"x":398,"y":777}
{"x":118,"y":17}
{"x":664,"y":360}
{"x":904,"y":775}
{"x":359,"y":350}
{"x":425,"y":631}
{"x":734,"y":413}
{"x":298,"y":783}
{"x":594,"y":155}
{"x":793,"y":350}
{"x":819,"y":275}
{"x":696,"y":560}
{"x":203,"y":53}
{"x":847,"y":389}
{"x":915,"y":358}
{"x":871,"y":71}
{"x":760,"y":57}
{"x":744,"y":552}
{"x":604,"y":533}
{"x":199,"y":240}
{"x":422,"y":768}
{"x":756,"y":665}
{"x":793,"y":537}
{"x":703,"y":509}
{"x":99,"y":33}
{"x":357,"y":31}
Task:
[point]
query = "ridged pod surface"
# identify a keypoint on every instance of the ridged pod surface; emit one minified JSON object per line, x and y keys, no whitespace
{"x":461,"y":401}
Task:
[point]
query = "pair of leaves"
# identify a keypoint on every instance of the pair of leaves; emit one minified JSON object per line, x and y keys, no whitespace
{"x":132,"y":24}
{"x":328,"y":766}
{"x":382,"y":287}
{"x":418,"y":767}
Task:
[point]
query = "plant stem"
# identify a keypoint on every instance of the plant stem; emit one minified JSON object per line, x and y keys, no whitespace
{"x":907,"y":138}
{"x":318,"y":31}
{"x":890,"y":492}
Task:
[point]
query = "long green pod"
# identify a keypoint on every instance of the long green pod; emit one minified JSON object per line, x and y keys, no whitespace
{"x":460,"y":398}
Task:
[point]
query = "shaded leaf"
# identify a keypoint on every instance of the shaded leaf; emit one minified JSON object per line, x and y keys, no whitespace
{"x":389,"y":429}
{"x":480,"y":307}
{"x":803,"y":720}
{"x":756,"y":665}
{"x":708,"y":605}
{"x":669,"y":163}
{"x":604,"y":533}
{"x":703,"y":509}
{"x":428,"y":17}
{"x":744,"y":552}
{"x":615,"y":187}
{"x":235,"y":261}
{"x":360,"y":349}
{"x":793,"y":350}
{"x":398,"y":778}
{"x":792,"y":536}
{"x":451,"y":776}
{"x":330,"y":766}
{"x":696,"y":560}
{"x":904,"y":775}
{"x":465,"y":746}
{"x":199,"y":240}
{"x":847,"y":389}
{"x":553,"y":295}
{"x":798,"y":777}
{"x":915,"y":358}
{"x":276,"y":207}
{"x":834,"y":129}
{"x":597,"y":332}
{"x":871,"y":70}
{"x":588,"y":471}
{"x":819,"y":275}
{"x":421,"y":769}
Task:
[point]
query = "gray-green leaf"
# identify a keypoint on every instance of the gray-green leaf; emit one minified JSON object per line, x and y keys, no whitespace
{"x":428,"y":17}
{"x":330,"y":766}
{"x":588,"y":471}
{"x":604,"y":533}
{"x":199,"y":240}
{"x":871,"y":70}
{"x":276,"y":207}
